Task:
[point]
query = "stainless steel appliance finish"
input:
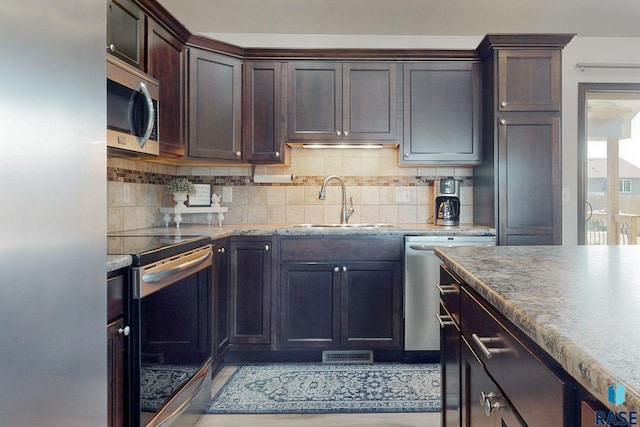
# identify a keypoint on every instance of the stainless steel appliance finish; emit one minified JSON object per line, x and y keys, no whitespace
{"x":132,"y":110}
{"x":421,"y":298}
{"x":170,"y":316}
{"x":53,"y":306}
{"x":447,"y":202}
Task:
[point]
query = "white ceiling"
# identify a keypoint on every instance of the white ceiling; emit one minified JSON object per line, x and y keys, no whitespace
{"x":407,"y":18}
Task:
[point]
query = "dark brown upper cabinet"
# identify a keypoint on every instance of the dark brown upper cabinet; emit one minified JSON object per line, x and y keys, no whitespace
{"x":166,"y":63}
{"x":215,"y":106}
{"x":343,"y":102}
{"x":263,"y":117}
{"x":442,"y":123}
{"x":125,"y":32}
{"x":529,"y":80}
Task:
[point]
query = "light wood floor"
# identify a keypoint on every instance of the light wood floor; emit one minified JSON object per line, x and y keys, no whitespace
{"x":313,"y":420}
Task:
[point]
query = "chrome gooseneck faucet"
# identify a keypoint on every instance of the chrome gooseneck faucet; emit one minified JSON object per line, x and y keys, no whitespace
{"x":346,"y":212}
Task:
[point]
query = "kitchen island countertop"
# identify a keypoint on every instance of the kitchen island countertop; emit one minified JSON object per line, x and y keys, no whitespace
{"x":578,"y":303}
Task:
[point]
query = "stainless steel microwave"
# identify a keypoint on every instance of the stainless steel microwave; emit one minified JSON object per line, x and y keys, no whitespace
{"x":132,"y":110}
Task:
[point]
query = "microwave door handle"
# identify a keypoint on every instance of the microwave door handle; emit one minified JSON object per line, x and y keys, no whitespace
{"x":147,"y":96}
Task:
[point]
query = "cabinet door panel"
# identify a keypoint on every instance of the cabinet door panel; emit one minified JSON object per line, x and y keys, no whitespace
{"x":370,"y":101}
{"x":166,"y":64}
{"x":371,"y":305}
{"x":309,"y":296}
{"x":214,"y":106}
{"x":263,"y":116}
{"x":314,"y":100}
{"x":450,"y":372}
{"x":116,"y":374}
{"x":221,"y":295}
{"x":125,"y":32}
{"x":441,"y":114}
{"x":529,"y":178}
{"x":529,"y":80}
{"x":250,"y":292}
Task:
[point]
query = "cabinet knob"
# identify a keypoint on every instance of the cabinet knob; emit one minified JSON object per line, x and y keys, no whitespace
{"x":489,"y":402}
{"x":238,"y":153}
{"x":503,"y":122}
{"x":346,"y":133}
{"x":407,"y":154}
{"x":277,"y":154}
{"x":344,"y":268}
{"x":111,"y":48}
{"x":124,"y":331}
{"x":266,"y":247}
{"x":503,"y":104}
{"x":222,"y":250}
{"x":336,"y":269}
{"x":338,"y":133}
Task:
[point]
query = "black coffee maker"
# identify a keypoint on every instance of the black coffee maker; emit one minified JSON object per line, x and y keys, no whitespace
{"x":447,"y":203}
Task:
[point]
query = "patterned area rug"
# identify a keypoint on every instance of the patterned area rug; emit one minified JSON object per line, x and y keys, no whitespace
{"x":317,"y":389}
{"x":158,"y":382}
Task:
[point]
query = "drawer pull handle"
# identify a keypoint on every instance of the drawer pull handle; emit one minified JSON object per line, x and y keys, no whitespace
{"x":447,"y":289}
{"x":482,"y":343}
{"x":444,"y":320}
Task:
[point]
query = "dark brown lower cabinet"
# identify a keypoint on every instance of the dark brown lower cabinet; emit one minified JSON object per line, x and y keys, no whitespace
{"x":495,"y":376}
{"x":220,"y":301}
{"x":310,"y":294}
{"x":250,"y":291}
{"x":354,"y":305}
{"x":371,"y":305}
{"x":117,"y":336}
{"x":115,"y":373}
{"x":588,"y":414}
{"x":450,"y":340}
{"x":483,"y":402}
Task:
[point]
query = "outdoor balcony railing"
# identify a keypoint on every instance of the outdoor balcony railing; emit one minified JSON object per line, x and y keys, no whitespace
{"x":626,"y":225}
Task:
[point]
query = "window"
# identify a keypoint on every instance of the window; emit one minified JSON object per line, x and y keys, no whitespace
{"x":624,"y":186}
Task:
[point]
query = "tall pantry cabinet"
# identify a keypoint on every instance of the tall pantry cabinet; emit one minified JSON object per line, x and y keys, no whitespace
{"x":518,"y":186}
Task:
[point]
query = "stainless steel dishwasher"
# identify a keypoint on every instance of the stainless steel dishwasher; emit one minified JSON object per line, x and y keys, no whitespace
{"x":421,"y":298}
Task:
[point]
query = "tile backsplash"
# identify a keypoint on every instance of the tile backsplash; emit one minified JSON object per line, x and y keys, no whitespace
{"x":381,"y":190}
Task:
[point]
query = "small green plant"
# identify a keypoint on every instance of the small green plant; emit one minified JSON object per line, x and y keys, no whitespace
{"x":180,"y":185}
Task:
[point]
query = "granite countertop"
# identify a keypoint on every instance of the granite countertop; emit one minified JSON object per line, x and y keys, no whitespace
{"x":578,"y":303}
{"x":216,"y":232}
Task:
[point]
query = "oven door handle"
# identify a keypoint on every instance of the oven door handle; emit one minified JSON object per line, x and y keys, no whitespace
{"x":157,"y":276}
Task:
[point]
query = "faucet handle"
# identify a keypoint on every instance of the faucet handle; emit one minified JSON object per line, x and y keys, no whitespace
{"x":351,"y":208}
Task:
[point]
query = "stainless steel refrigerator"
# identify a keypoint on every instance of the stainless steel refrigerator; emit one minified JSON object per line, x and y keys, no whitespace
{"x":53,"y":361}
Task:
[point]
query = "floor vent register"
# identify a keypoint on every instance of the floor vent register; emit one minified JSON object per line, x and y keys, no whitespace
{"x":347,"y":356}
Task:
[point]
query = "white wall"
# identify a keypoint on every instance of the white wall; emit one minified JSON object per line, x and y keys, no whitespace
{"x":610,"y":50}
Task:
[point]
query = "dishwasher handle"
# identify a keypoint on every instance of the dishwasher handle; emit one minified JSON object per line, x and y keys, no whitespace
{"x":426,"y":248}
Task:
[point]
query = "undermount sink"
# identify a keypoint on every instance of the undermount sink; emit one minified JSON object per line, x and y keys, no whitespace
{"x":379,"y":225}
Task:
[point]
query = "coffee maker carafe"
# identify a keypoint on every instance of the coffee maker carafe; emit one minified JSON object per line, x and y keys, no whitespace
{"x":447,"y":202}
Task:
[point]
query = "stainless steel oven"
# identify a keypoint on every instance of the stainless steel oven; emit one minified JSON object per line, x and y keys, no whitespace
{"x":170,"y":317}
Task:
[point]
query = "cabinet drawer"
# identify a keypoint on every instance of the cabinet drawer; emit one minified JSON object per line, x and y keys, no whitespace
{"x":332,"y":249}
{"x":449,"y":289}
{"x":524,"y":378}
{"x":115,"y":297}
